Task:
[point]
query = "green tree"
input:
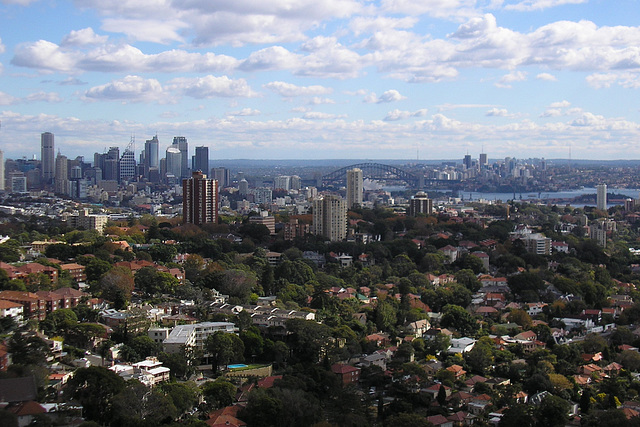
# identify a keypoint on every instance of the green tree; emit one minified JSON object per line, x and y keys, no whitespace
{"x":94,"y":388}
{"x":117,"y":285}
{"x":219,"y":393}
{"x":457,"y":317}
{"x":223,"y":348}
{"x":553,"y":411}
{"x":183,"y":395}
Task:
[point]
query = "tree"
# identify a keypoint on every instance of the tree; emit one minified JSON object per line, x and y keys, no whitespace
{"x":136,"y":403}
{"x":163,"y":253}
{"x":117,"y":285}
{"x":307,"y":339}
{"x":30,"y":350}
{"x":407,"y":420}
{"x":94,"y":388}
{"x":218,"y":394}
{"x":183,"y":395}
{"x":442,"y":396}
{"x":458,"y":318}
{"x":520,"y":317}
{"x":519,"y":415}
{"x":553,"y":411}
{"x":223,"y":348}
{"x":152,"y":281}
{"x":468,"y":279}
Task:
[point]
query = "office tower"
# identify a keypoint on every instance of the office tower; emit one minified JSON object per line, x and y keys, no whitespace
{"x":283,"y":182}
{"x":109,"y":164}
{"x":295,"y":182}
{"x":467,"y":161}
{"x":243,"y":187}
{"x":601,"y":196}
{"x":330,"y":217}
{"x":483,"y":160}
{"x":151,"y":155}
{"x":354,"y":188}
{"x":222,"y":175}
{"x":199,"y":199}
{"x":180,"y":142}
{"x":420,"y":204}
{"x":1,"y":170}
{"x":47,"y":157}
{"x":127,"y":166}
{"x":201,"y":159}
{"x":174,"y":162}
{"x":61,"y":180}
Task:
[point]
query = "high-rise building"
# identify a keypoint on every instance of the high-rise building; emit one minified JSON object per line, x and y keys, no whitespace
{"x":483,"y":160}
{"x":1,"y":170}
{"x":180,"y":142}
{"x":295,"y":182}
{"x":354,"y":188}
{"x":127,"y":166}
{"x":601,"y":196}
{"x":222,"y":175}
{"x":420,"y":204}
{"x":47,"y":156}
{"x":61,"y":179}
{"x":174,"y":162}
{"x":467,"y":161}
{"x":282,"y":181}
{"x":330,"y":217}
{"x":201,"y":160}
{"x":243,"y":187}
{"x":151,"y":150}
{"x":199,"y":199}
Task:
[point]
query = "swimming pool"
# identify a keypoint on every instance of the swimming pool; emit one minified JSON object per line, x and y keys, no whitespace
{"x":237,"y":365}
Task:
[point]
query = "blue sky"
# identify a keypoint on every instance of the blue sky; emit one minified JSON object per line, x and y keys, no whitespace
{"x":309,"y":79}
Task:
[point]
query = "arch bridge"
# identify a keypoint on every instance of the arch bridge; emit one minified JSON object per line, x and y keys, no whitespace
{"x":375,"y":171}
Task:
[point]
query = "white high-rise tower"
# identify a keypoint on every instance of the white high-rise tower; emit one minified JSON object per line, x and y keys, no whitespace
{"x":354,"y":188}
{"x":601,"y":197}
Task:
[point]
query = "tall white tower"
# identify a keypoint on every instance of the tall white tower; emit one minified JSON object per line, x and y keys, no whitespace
{"x":601,"y":197}
{"x":1,"y":170}
{"x":330,"y":217}
{"x":354,"y":188}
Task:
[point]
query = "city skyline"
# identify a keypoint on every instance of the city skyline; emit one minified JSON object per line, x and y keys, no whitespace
{"x":333,"y":80}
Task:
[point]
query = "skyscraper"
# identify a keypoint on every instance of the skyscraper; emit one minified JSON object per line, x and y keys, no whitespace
{"x":601,"y":196}
{"x":47,"y":157}
{"x":199,"y":199}
{"x":61,"y":175}
{"x":151,"y":155}
{"x":354,"y":188}
{"x":127,"y":166}
{"x":330,"y":217}
{"x":180,"y":142}
{"x":483,"y":160}
{"x":201,"y":160}
{"x":222,"y":175}
{"x":1,"y":170}
{"x":174,"y":162}
{"x":420,"y":203}
{"x":467,"y":161}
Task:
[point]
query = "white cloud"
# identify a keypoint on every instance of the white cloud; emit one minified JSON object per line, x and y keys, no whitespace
{"x":289,"y":90}
{"x":2,"y":48}
{"x":388,"y":96}
{"x":271,"y":58}
{"x":435,"y":8}
{"x":316,"y":115}
{"x":43,"y":97}
{"x":627,"y":80}
{"x":47,"y":57}
{"x":83,"y":37}
{"x":514,"y":76}
{"x":396,"y":114}
{"x":246,"y":112}
{"x":529,"y":5}
{"x":129,"y":88}
{"x":560,"y":104}
{"x":6,"y":99}
{"x":211,"y":87}
{"x":497,"y":112}
{"x":368,"y":25}
{"x":18,"y":2}
{"x":547,"y":77}
{"x":316,"y":100}
{"x":156,"y":31}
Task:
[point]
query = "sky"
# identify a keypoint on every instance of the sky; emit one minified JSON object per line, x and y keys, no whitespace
{"x":324,"y":79}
